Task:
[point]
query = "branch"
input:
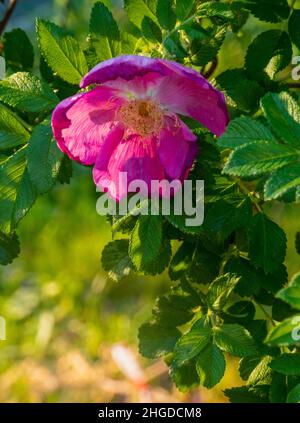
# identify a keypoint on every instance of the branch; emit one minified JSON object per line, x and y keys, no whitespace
{"x":293,"y":85}
{"x":211,"y":69}
{"x":10,"y":8}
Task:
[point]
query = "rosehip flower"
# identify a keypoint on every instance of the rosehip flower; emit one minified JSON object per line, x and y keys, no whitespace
{"x":128,"y":121}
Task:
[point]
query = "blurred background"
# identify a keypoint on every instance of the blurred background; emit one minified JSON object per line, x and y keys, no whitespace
{"x":71,"y":332}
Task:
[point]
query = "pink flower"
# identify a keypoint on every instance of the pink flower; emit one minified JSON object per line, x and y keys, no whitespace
{"x":128,"y":121}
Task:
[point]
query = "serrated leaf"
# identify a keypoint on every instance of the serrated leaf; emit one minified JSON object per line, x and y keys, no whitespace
{"x":184,"y":8}
{"x":267,"y":243}
{"x":268,"y":10}
{"x":115,"y":259}
{"x":193,"y":342}
{"x":210,"y":366}
{"x":245,"y":93}
{"x":271,"y":51}
{"x":185,"y":377}
{"x":61,"y":52}
{"x":261,"y":374}
{"x":294,"y":395}
{"x":43,"y":157}
{"x":283,"y":114}
{"x":18,"y":50}
{"x":145,"y":241}
{"x":244,"y":130}
{"x":13,"y":131}
{"x":104,"y":32}
{"x":220,"y":290}
{"x":294,"y":27}
{"x":214,"y":9}
{"x":287,"y":364}
{"x":9,"y":247}
{"x":291,"y":294}
{"x":285,"y":333}
{"x":259,"y":157}
{"x":282,"y":180}
{"x":165,"y":14}
{"x":27,"y":93}
{"x":138,"y":9}
{"x":235,"y":340}
{"x":151,"y":30}
{"x":156,"y":340}
{"x":248,"y":394}
{"x":203,"y":50}
{"x":175,"y":308}
{"x":278,"y":388}
{"x":16,"y":192}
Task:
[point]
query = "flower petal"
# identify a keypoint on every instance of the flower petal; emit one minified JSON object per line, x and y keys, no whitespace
{"x":176,"y":147}
{"x":79,"y":123}
{"x":191,"y":96}
{"x":134,"y":155}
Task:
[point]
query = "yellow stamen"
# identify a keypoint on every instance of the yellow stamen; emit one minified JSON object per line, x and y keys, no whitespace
{"x":145,"y":117}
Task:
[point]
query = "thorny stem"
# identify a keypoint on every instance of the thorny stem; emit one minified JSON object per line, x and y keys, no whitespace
{"x":250,"y":194}
{"x":10,"y":8}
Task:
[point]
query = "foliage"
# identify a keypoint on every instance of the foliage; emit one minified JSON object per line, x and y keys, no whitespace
{"x":226,"y":271}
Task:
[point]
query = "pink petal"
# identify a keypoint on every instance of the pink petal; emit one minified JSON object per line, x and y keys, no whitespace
{"x":81,"y":122}
{"x":175,"y":147}
{"x":134,"y":155}
{"x":193,"y":97}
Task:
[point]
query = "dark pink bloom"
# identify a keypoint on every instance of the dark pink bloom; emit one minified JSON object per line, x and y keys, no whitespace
{"x":128,"y":121}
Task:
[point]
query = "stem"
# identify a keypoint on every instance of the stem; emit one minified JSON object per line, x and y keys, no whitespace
{"x":10,"y":8}
{"x":211,"y":69}
{"x":177,"y":28}
{"x":268,"y":316}
{"x":293,"y":85}
{"x":250,"y":194}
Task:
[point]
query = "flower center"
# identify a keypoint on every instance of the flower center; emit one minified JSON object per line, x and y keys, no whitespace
{"x":142,"y":116}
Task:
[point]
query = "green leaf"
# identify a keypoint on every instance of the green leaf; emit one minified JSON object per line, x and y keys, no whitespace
{"x":104,"y":32}
{"x":268,"y":10}
{"x":175,"y":308}
{"x":115,"y":259}
{"x":285,"y":333}
{"x":151,"y":31}
{"x":165,"y":14}
{"x":13,"y":131}
{"x":61,"y":52}
{"x":271,"y":51}
{"x":184,"y":8}
{"x":283,"y":114}
{"x":195,"y":263}
{"x":235,"y":340}
{"x":138,"y":9}
{"x":248,"y":394}
{"x":278,"y":388}
{"x":204,"y":49}
{"x":214,"y":9}
{"x":294,"y":395}
{"x":210,"y":366}
{"x":27,"y":93}
{"x":145,"y":241}
{"x":18,"y":50}
{"x":244,"y":130}
{"x":156,"y":340}
{"x":244,"y":93}
{"x":259,"y":157}
{"x":249,"y":282}
{"x":220,"y":290}
{"x":43,"y":157}
{"x":287,"y":364}
{"x":291,"y":294}
{"x":185,"y":377}
{"x":282,"y":180}
{"x":267,"y":243}
{"x":294,"y":28}
{"x":193,"y":342}
{"x":9,"y":247}
{"x":16,"y":192}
